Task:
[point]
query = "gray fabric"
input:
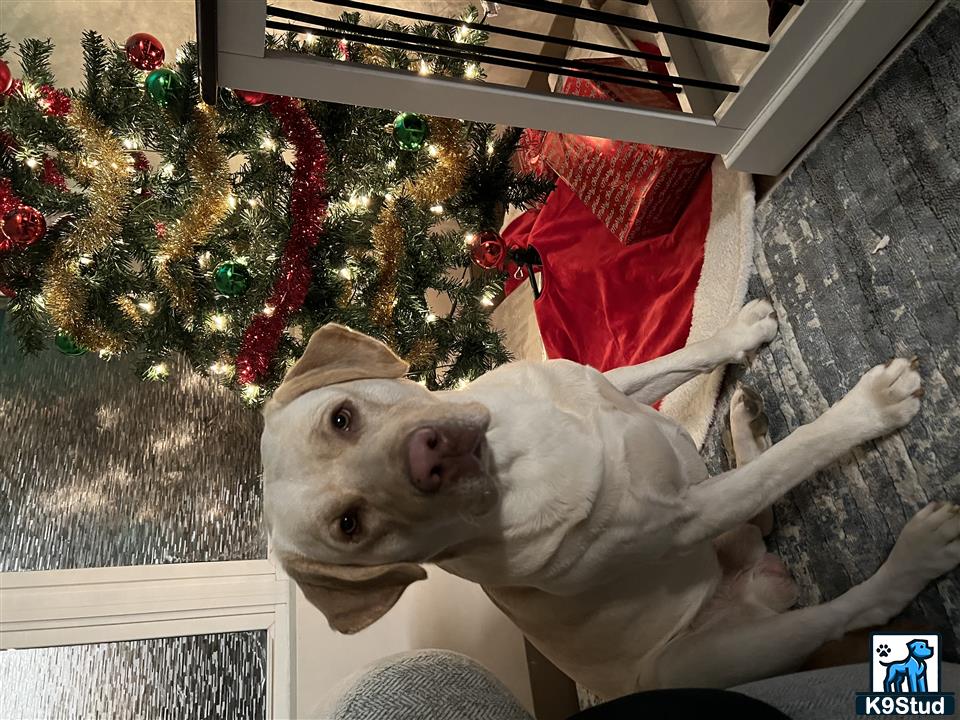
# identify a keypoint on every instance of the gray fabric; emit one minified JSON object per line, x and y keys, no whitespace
{"x":890,"y":169}
{"x":441,"y":685}
{"x":426,"y":685}
{"x":827,"y":694}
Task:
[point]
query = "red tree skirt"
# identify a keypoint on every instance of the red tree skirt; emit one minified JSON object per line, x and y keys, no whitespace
{"x":605,"y":304}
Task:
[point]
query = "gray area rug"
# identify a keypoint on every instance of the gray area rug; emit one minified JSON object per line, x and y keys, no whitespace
{"x":887,"y":175}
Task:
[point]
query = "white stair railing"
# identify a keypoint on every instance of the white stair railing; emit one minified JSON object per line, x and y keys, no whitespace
{"x":822,"y":52}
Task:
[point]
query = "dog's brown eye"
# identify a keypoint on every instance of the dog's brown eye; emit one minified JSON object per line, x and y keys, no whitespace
{"x":350,"y":523}
{"x":341,"y":419}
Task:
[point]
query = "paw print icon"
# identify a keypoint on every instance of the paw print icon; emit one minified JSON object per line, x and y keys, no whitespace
{"x":883,"y":650}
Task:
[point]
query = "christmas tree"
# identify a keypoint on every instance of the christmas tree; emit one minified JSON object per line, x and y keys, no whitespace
{"x":139,"y":222}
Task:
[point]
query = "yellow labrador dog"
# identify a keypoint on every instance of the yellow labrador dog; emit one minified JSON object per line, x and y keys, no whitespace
{"x":588,"y":517}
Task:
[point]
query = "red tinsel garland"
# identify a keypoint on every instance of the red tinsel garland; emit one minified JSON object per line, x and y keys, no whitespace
{"x":52,"y":175}
{"x":8,"y":198}
{"x":308,"y":207}
{"x":55,"y":103}
{"x":140,"y":162}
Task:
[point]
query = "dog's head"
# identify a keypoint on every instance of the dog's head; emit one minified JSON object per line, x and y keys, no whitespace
{"x":920,"y":649}
{"x":366,"y":474}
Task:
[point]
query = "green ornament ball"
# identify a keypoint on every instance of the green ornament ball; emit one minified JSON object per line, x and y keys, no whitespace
{"x":163,"y":85}
{"x":410,"y":131}
{"x":67,"y":345}
{"x":231,"y":278}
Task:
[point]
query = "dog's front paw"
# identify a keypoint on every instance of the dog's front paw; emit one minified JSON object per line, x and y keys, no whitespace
{"x":885,"y":399}
{"x":928,"y":547}
{"x":754,"y":325}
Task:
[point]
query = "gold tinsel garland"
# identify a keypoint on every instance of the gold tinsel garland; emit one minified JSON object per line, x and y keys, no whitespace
{"x":434,"y":186}
{"x":207,"y":166}
{"x":422,"y":353}
{"x":65,"y":292}
{"x":129,"y":308}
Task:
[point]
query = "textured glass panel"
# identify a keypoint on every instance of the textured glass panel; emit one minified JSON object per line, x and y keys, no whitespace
{"x":200,"y":676}
{"x":98,"y":468}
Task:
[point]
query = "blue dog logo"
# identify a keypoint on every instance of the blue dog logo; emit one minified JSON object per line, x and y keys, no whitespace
{"x":905,"y":677}
{"x":911,"y":671}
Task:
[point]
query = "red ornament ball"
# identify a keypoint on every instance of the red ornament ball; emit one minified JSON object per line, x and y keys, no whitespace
{"x":488,"y":250}
{"x":6,"y":79}
{"x":251,"y":97}
{"x":23,"y":226}
{"x":144,"y":51}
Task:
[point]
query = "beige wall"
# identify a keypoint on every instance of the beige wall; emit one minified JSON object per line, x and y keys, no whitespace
{"x":63,"y":21}
{"x":440,"y":612}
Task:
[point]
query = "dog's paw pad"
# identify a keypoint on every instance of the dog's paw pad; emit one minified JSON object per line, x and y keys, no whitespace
{"x":883,"y":650}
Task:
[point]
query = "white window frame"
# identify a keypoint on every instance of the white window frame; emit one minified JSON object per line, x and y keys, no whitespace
{"x":70,"y":607}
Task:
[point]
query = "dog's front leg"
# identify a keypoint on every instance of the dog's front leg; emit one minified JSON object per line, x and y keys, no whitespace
{"x":753,"y":326}
{"x":885,"y":399}
{"x":914,"y":680}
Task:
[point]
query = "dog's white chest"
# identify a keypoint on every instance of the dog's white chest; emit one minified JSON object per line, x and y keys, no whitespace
{"x":591,"y":477}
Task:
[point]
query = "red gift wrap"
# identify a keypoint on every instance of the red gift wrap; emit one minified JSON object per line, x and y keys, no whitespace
{"x":636,"y":190}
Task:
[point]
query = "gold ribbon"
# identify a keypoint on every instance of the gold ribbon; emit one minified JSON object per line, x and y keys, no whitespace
{"x":65,"y":292}
{"x":437,"y":184}
{"x":207,"y":166}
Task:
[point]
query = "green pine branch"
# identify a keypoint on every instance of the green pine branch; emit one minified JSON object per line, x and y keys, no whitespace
{"x":35,"y":61}
{"x":95,"y":54}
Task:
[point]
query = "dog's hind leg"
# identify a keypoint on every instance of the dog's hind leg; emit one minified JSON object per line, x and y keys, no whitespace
{"x":749,"y":437}
{"x":891,"y":683}
{"x":724,"y":654}
{"x":753,"y":326}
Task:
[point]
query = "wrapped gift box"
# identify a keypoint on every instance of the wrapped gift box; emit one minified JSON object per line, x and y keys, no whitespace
{"x":529,"y":155}
{"x":635,"y":190}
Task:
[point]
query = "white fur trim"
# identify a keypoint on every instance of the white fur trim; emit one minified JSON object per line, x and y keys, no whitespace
{"x":727,"y":263}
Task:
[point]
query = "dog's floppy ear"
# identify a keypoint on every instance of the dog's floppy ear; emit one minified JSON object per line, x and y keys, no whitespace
{"x":351,"y":597}
{"x":337,"y":354}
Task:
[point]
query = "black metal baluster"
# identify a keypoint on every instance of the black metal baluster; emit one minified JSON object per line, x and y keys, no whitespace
{"x":440,"y":46}
{"x":358,"y":35}
{"x":494,"y":30}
